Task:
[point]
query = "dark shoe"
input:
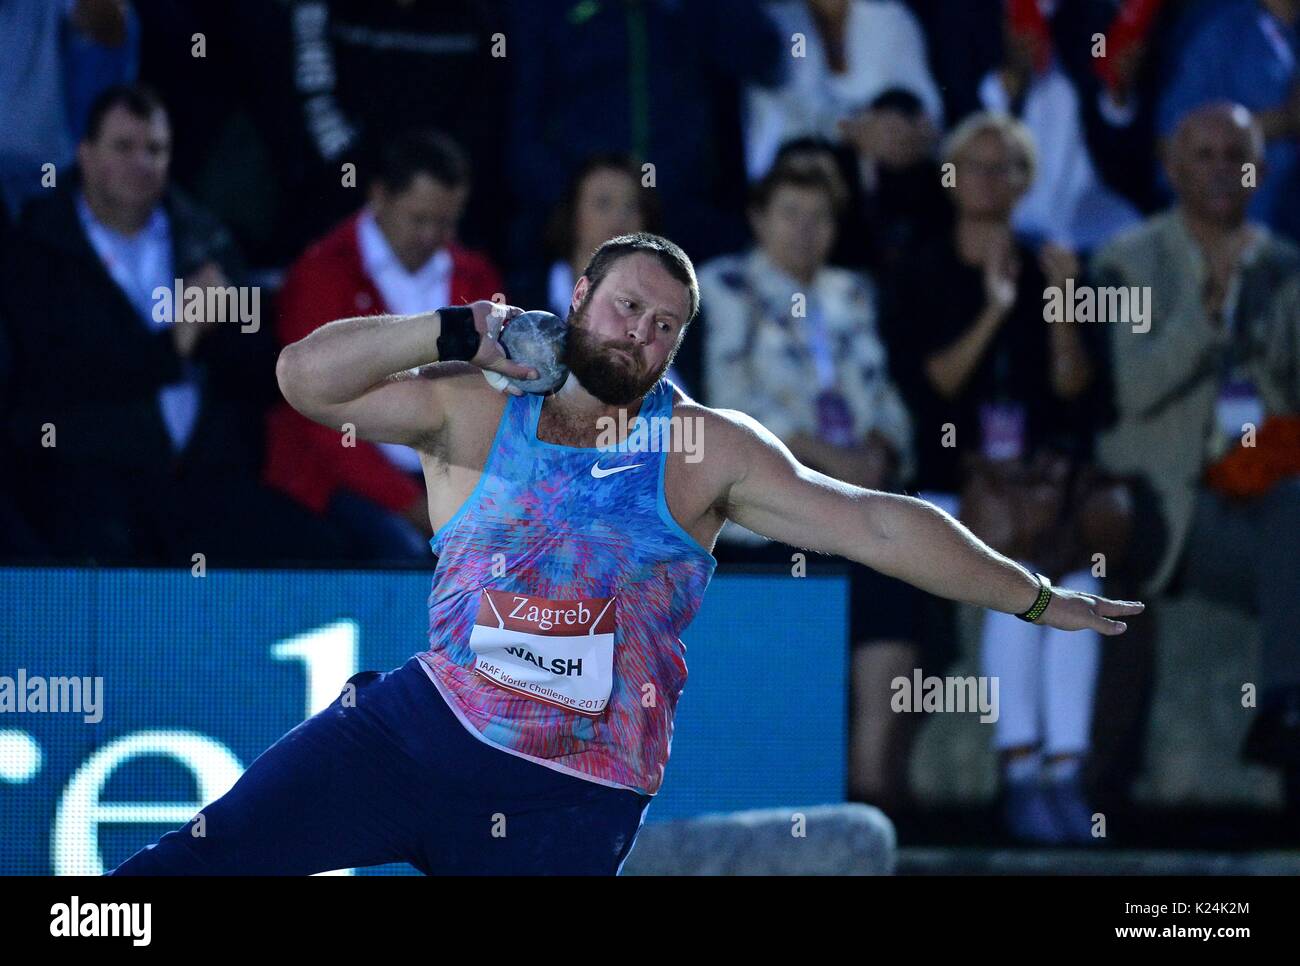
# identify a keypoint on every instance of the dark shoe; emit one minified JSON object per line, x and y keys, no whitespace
{"x":1028,"y":815}
{"x":1073,"y":816}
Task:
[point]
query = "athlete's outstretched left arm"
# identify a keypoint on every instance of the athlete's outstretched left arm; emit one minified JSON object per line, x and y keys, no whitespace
{"x":772,"y":493}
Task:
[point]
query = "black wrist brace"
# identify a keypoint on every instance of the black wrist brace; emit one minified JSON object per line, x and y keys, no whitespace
{"x":459,"y":339}
{"x":1040,"y":605}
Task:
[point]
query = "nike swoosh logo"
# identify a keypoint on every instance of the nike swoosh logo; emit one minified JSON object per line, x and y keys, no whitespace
{"x":600,"y":473}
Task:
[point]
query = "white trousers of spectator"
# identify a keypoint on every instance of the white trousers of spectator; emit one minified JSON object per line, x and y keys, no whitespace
{"x":1047,"y":678}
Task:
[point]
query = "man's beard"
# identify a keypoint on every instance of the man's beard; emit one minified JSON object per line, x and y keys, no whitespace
{"x":608,"y":375}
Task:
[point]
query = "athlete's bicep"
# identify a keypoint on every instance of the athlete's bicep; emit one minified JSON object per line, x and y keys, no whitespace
{"x":776,"y":495}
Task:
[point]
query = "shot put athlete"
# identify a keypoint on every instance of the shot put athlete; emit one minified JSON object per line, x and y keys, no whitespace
{"x":532,"y":733}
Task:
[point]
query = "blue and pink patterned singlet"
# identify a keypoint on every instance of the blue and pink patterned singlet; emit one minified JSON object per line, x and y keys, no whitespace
{"x":562,"y":586}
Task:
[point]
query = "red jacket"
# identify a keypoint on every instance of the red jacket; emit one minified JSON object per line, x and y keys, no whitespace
{"x":305,"y":459}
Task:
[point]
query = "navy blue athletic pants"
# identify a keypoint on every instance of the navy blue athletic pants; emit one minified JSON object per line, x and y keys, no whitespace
{"x":393,"y":776}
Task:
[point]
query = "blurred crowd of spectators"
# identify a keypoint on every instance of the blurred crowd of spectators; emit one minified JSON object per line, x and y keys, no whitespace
{"x":884,"y":201}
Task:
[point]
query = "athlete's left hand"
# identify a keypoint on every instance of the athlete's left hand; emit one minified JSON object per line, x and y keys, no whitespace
{"x":1071,"y":610}
{"x":498,"y":368}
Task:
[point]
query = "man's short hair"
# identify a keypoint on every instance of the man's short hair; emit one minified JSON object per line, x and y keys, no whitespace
{"x":675,"y":261}
{"x":560,"y":234}
{"x":795,"y":172}
{"x":1236,"y":114}
{"x":139,"y":100}
{"x":1012,"y":131}
{"x":900,"y":100}
{"x":402,"y":158}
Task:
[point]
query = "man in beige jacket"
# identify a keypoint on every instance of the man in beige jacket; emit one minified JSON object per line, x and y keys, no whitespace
{"x":1216,"y":355}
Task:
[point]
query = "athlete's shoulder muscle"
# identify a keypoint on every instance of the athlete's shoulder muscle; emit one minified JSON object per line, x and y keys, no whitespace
{"x":729,"y":441}
{"x":772,"y":493}
{"x":739,"y":429}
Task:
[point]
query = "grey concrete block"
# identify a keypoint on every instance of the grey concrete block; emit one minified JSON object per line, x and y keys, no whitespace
{"x":815,"y":840}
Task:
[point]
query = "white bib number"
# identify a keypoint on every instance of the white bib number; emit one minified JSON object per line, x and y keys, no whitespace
{"x":560,"y":652}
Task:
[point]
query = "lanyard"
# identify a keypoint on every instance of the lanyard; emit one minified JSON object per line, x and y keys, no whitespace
{"x":819,"y":348}
{"x":1281,"y":46}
